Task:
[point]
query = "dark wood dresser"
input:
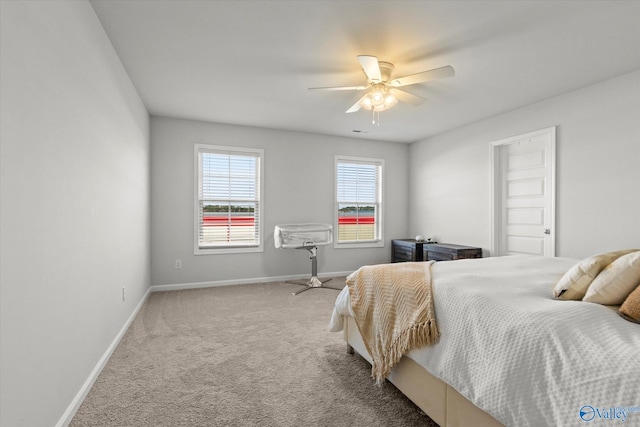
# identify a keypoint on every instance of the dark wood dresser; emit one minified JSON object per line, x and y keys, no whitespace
{"x":410,"y":250}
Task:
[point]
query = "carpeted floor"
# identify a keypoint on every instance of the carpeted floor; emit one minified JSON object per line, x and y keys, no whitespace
{"x":250,"y":355}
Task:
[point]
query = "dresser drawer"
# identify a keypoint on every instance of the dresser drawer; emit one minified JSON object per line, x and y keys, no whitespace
{"x":437,"y":256}
{"x":401,"y":253}
{"x":449,"y":252}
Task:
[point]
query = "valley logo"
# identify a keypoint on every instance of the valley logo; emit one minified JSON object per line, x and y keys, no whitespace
{"x":618,"y":413}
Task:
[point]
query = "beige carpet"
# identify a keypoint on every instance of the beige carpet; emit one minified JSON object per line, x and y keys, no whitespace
{"x":250,"y":355}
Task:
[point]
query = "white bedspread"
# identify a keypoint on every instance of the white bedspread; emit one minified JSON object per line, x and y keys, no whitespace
{"x":523,"y":357}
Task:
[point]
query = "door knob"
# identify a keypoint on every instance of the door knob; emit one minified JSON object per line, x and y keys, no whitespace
{"x":547,"y":231}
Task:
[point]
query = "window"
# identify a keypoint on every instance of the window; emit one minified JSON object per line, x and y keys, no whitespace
{"x":228,"y":211}
{"x":358,"y":202}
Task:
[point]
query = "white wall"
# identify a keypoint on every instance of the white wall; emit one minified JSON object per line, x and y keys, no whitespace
{"x":299,"y":187}
{"x":598,"y":171}
{"x":75,"y":204}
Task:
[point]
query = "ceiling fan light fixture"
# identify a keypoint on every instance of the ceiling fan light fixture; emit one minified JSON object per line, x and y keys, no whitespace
{"x":390,"y":100}
{"x":365,"y":103}
{"x":377,"y":95}
{"x":378,"y":99}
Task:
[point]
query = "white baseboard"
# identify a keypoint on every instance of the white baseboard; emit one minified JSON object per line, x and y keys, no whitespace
{"x":84,"y":390}
{"x":197,"y":285}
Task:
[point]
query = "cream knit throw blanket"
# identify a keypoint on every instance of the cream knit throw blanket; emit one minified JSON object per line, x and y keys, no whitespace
{"x":393,"y":309}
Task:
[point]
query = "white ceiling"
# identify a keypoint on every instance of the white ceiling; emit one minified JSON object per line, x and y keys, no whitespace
{"x":251,"y":62}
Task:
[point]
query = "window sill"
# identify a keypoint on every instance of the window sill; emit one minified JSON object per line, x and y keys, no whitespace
{"x":228,"y":251}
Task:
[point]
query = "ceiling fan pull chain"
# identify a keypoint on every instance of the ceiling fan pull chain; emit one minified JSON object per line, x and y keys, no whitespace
{"x":375,"y":119}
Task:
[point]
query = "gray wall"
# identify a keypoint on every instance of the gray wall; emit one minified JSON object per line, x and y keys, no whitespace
{"x":299,"y":187}
{"x":75,"y":204}
{"x":598,"y":171}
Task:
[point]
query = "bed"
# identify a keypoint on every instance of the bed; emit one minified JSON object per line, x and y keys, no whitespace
{"x":511,"y":354}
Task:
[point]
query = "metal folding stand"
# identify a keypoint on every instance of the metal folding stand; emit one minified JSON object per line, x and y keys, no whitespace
{"x":313,"y":282}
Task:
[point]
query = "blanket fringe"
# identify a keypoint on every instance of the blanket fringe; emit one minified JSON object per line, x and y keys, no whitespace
{"x":419,"y":335}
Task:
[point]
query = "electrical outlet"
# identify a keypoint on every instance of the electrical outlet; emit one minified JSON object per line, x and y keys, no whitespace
{"x":124,"y":294}
{"x":178,"y":264}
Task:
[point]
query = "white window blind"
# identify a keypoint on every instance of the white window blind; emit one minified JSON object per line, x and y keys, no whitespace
{"x":358,"y":201}
{"x":228,"y":211}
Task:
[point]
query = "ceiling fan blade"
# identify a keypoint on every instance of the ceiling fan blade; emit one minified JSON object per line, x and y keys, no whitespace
{"x":339,"y":88}
{"x":407,"y":97}
{"x":355,"y":107}
{"x":370,"y":67}
{"x":425,"y":76}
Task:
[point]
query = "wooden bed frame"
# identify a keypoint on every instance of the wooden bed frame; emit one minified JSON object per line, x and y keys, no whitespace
{"x":441,"y":402}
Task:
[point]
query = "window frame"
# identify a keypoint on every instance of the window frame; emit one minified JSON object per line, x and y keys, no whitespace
{"x":258,"y":153}
{"x":378,"y":242}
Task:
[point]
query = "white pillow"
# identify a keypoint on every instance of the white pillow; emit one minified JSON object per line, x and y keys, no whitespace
{"x":575,"y":282}
{"x":616,"y":281}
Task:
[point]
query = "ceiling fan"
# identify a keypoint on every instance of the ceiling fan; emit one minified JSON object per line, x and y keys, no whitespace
{"x":382,"y":92}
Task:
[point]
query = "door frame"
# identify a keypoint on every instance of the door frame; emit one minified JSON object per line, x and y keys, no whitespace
{"x":496,"y":187}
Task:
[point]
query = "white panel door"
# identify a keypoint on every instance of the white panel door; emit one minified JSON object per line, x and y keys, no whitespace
{"x":524,"y":196}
